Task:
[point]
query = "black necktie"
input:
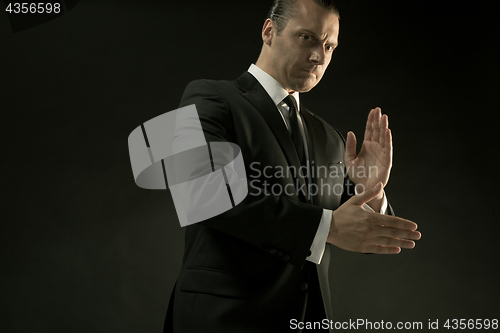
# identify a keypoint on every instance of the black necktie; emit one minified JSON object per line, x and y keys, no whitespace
{"x":296,"y":134}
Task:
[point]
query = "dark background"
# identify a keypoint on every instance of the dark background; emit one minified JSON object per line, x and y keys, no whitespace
{"x":83,"y":249}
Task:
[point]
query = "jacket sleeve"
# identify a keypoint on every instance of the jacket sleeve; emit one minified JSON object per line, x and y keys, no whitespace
{"x":262,"y":219}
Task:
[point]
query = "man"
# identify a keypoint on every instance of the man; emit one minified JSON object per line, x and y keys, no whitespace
{"x":262,"y":266}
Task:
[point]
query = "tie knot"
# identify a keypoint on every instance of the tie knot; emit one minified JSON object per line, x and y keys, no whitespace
{"x":291,"y":102}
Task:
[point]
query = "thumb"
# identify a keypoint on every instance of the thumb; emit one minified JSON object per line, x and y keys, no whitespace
{"x":361,"y":199}
{"x":350,"y":147}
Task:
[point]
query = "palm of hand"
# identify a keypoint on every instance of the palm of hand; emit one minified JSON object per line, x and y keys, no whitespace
{"x":374,"y":162}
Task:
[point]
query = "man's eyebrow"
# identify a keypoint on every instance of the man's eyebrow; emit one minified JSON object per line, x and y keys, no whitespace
{"x":315,"y":35}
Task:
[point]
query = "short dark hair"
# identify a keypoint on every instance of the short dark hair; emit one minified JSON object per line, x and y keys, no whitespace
{"x":283,"y":10}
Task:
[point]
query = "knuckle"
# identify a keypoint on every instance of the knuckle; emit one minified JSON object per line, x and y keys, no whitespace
{"x":363,"y":229}
{"x":371,"y":231}
{"x":370,"y":219}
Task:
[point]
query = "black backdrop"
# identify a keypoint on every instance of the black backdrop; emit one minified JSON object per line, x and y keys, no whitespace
{"x":85,"y":250}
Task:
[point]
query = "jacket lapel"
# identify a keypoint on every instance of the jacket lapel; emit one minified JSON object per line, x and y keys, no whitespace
{"x":316,"y":140}
{"x":261,"y":101}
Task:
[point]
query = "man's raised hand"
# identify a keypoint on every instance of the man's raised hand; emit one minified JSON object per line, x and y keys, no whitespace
{"x":374,"y":162}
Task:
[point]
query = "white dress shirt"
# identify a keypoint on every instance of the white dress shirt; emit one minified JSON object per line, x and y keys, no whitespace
{"x":277,"y":94}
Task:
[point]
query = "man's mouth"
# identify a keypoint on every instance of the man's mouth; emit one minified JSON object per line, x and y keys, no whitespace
{"x":310,"y":71}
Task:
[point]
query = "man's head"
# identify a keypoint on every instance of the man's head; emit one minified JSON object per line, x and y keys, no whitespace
{"x":299,"y":38}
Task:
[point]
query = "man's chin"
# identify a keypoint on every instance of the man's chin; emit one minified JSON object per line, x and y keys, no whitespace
{"x":303,"y":86}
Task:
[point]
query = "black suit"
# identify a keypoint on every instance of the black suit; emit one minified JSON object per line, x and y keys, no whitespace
{"x":246,"y":270}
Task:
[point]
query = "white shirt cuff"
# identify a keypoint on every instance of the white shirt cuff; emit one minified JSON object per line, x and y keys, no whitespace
{"x":319,"y":242}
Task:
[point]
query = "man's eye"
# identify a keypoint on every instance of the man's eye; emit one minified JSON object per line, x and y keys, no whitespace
{"x":306,"y":37}
{"x":329,"y":48}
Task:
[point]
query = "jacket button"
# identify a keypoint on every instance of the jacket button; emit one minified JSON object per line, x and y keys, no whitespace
{"x":309,"y":253}
{"x":303,"y":286}
{"x":286,"y":257}
{"x":272,"y":251}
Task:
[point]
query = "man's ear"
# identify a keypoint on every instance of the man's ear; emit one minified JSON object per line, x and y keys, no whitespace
{"x":268,"y":32}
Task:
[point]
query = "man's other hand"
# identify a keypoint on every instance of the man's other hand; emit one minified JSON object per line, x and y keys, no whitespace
{"x":355,"y":229}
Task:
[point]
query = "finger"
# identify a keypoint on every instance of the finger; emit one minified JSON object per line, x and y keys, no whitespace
{"x":388,"y":142}
{"x":379,"y":249}
{"x":394,"y":242}
{"x":369,"y":127}
{"x":361,"y":199}
{"x":384,"y":126}
{"x":376,"y":124}
{"x":390,"y":221}
{"x":350,"y":148}
{"x":391,"y":232}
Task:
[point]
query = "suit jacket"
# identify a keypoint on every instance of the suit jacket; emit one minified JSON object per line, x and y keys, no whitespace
{"x":246,"y":270}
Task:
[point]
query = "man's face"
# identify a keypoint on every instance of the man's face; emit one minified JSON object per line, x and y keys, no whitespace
{"x":301,"y":53}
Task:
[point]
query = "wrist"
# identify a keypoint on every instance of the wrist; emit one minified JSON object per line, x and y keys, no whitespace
{"x":377,"y":202}
{"x":379,"y":197}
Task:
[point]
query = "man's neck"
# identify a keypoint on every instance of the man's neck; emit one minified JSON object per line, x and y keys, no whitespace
{"x":268,"y":69}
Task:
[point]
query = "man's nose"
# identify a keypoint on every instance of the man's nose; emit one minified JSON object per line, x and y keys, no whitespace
{"x":318,"y":56}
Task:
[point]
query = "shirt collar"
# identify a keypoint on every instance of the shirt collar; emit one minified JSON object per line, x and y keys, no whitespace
{"x":271,"y":86}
